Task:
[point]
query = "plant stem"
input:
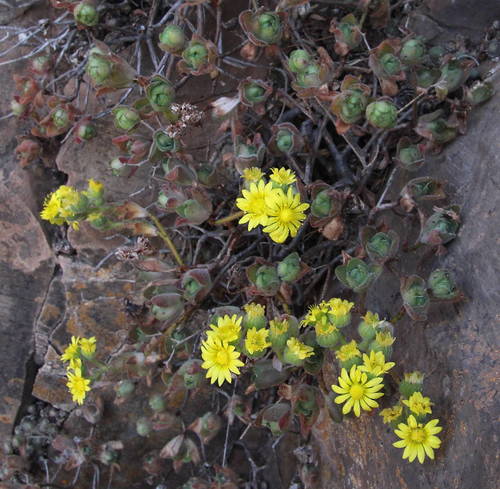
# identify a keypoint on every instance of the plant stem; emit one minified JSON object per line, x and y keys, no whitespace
{"x":164,"y":235}
{"x":231,"y":217}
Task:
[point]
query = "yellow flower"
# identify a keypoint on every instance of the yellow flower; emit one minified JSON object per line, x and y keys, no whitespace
{"x":392,"y":413}
{"x":348,"y":351}
{"x":317,"y":314}
{"x":252,"y":174}
{"x":228,"y":329}
{"x":278,"y":327}
{"x":299,"y":349}
{"x":371,"y":318}
{"x":418,"y":439}
{"x":419,"y":404}
{"x":219,"y":359}
{"x":384,"y":338}
{"x":339,"y":307}
{"x":285,"y":214}
{"x":60,"y":206}
{"x":77,"y":385}
{"x":253,"y":203}
{"x":254,"y":311}
{"x":282,"y":176}
{"x":87,"y":346}
{"x":375,"y":364}
{"x":95,"y":187}
{"x":257,"y":340}
{"x":323,"y":329}
{"x":356,"y":391}
{"x":72,"y":351}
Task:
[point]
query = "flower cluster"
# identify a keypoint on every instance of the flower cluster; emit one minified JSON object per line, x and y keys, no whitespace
{"x":275,"y":204}
{"x":409,"y":418}
{"x":75,"y":355}
{"x":66,"y":205}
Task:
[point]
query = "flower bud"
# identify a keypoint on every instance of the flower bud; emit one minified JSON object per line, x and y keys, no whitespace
{"x":157,"y":403}
{"x":172,"y":39}
{"x":383,"y":340}
{"x":255,"y":316}
{"x":266,"y":279}
{"x":382,"y":114}
{"x":412,"y":382}
{"x":195,"y":55}
{"x":86,"y":14}
{"x":415,"y":297}
{"x":299,"y":60}
{"x":126,"y":118}
{"x":479,"y":93}
{"x":412,"y":52}
{"x":367,"y":328}
{"x":160,"y":93}
{"x":443,"y":285}
{"x":289,"y":269}
{"x":357,"y":275}
{"x":143,"y":426}
{"x":86,"y":131}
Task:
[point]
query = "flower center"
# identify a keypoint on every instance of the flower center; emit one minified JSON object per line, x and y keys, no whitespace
{"x":286,"y":215}
{"x":417,"y":435}
{"x":222,"y":357}
{"x":357,"y":391}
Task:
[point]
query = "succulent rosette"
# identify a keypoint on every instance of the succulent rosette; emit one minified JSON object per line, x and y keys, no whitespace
{"x":380,"y":245}
{"x":254,"y":93}
{"x":285,"y":139}
{"x":409,"y":156}
{"x":172,"y":39}
{"x":299,"y":60}
{"x":196,"y":209}
{"x":358,"y":275}
{"x":167,"y":307}
{"x":424,"y":77}
{"x":198,"y":57}
{"x":443,"y":286}
{"x":261,"y":27}
{"x":436,"y":129}
{"x":441,"y":227}
{"x":415,"y":297}
{"x":126,"y":118}
{"x":160,"y":93}
{"x":454,"y":73}
{"x":196,"y":283}
{"x":413,"y":52}
{"x":86,"y":14}
{"x":350,"y":104}
{"x":178,"y":172}
{"x":387,"y":66}
{"x":263,"y":277}
{"x":326,"y":204}
{"x":347,"y":34}
{"x":107,"y":71}
{"x":421,"y":189}
{"x":479,"y":93}
{"x":58,"y":121}
{"x":382,"y":114}
{"x":248,"y":154}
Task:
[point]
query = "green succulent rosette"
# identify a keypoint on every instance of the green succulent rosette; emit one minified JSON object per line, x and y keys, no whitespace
{"x":358,"y":275}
